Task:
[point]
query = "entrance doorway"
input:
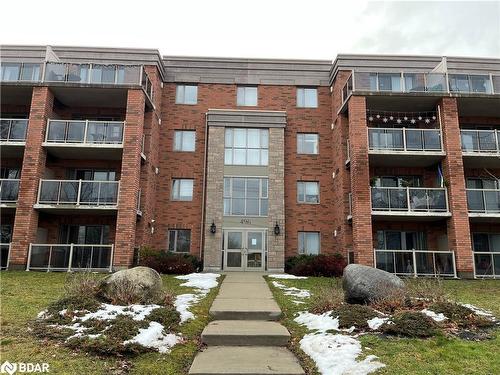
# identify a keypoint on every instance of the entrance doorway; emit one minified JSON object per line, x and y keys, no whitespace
{"x":244,"y":250}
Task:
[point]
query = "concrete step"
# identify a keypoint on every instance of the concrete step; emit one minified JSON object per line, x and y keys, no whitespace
{"x":245,"y":360}
{"x":249,"y":290}
{"x":245,"y":309}
{"x":245,"y":333}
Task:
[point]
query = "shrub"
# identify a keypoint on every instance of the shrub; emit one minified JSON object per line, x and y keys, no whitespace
{"x":167,"y":262}
{"x":83,"y":284}
{"x":327,"y":298}
{"x":74,"y":303}
{"x":410,"y":324}
{"x":393,"y":300}
{"x":426,"y":289}
{"x":354,"y":315}
{"x":316,"y":265}
{"x":166,"y":316}
{"x":461,"y":315}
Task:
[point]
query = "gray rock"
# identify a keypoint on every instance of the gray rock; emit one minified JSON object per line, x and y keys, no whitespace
{"x":134,"y":285}
{"x":363,"y":284}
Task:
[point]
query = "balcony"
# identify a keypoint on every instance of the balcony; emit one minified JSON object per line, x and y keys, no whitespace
{"x":13,"y":137}
{"x":9,"y":190}
{"x":66,"y":196}
{"x":91,"y":139}
{"x":481,"y":148}
{"x":484,"y":204}
{"x":4,"y":255}
{"x":487,"y":264}
{"x":409,"y":203}
{"x":70,"y":257}
{"x":416,"y":262}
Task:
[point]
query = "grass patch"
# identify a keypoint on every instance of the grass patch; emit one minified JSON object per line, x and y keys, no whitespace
{"x":435,"y":355}
{"x":25,"y":294}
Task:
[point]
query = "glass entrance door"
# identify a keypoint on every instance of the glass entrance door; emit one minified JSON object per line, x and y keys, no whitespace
{"x":244,"y":250}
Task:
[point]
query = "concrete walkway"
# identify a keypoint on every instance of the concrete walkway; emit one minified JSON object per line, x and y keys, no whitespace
{"x":244,"y":337}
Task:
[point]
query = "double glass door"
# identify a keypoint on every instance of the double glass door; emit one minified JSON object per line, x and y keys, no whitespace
{"x":244,"y":250}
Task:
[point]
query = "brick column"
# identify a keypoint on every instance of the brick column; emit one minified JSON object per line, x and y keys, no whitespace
{"x":26,"y":221}
{"x":459,"y":238}
{"x":129,"y":180}
{"x":360,"y":182}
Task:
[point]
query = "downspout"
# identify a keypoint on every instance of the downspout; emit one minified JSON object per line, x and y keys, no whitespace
{"x":203,"y":199}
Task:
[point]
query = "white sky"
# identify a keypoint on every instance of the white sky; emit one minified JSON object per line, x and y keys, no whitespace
{"x":312,"y":29}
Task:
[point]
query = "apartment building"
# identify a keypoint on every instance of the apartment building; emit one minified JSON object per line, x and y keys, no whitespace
{"x":393,"y":161}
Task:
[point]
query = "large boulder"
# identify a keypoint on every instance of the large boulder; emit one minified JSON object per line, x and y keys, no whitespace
{"x":134,"y":285}
{"x":363,"y":284}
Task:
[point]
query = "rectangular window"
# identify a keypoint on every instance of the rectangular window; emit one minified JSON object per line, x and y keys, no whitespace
{"x":245,"y":196}
{"x":486,"y":242}
{"x":182,"y":190}
{"x":184,"y":140}
{"x":308,"y":192}
{"x":309,"y":243}
{"x":399,"y":240}
{"x":10,"y":71}
{"x":246,"y":146}
{"x":307,"y":143}
{"x":247,"y":96}
{"x":179,"y":240}
{"x":307,"y":97}
{"x":186,"y":94}
{"x":30,"y":72}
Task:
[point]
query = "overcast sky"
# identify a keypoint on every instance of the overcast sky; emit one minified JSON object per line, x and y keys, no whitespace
{"x":259,"y":28}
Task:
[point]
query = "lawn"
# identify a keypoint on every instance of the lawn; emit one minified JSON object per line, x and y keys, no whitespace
{"x":24,"y":294}
{"x":438,"y":355}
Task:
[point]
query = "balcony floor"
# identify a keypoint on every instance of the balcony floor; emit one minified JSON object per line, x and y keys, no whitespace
{"x":479,"y":217}
{"x":481,"y":160}
{"x":13,"y":150}
{"x":74,"y":210}
{"x":409,"y":216}
{"x":84,"y":151}
{"x":387,"y":158}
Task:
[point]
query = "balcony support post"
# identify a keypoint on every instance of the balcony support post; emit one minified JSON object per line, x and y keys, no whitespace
{"x":70,"y":260}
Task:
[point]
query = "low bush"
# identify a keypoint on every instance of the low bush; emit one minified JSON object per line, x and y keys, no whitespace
{"x":74,"y":303}
{"x":316,"y":265}
{"x":354,"y":315}
{"x":327,"y":298}
{"x":167,"y":262}
{"x":392,"y":301}
{"x":166,"y":316}
{"x":461,"y":315}
{"x":84,"y":284}
{"x":410,"y":324}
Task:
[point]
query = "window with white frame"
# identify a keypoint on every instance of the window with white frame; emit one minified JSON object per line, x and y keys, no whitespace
{"x":307,"y":143}
{"x":307,"y":97}
{"x":184,"y":140}
{"x":186,"y":94}
{"x":246,"y":96}
{"x":245,"y":196}
{"x":246,"y":146}
{"x":179,"y":240}
{"x":308,"y":191}
{"x":182,"y":190}
{"x":309,"y":243}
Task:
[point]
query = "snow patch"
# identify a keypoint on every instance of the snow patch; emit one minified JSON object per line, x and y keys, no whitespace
{"x":337,"y":354}
{"x":437,"y":317}
{"x":321,"y":322}
{"x":110,"y":312}
{"x":479,"y":311}
{"x":286,"y":276}
{"x":153,"y":337}
{"x":202,"y":281}
{"x":376,"y":322}
{"x":292,"y":291}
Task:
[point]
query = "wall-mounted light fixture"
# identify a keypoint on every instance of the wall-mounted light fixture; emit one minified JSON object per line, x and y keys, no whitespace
{"x":213,"y":228}
{"x":277,"y":229}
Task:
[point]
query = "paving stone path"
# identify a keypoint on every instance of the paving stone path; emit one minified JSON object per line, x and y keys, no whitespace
{"x":244,"y":337}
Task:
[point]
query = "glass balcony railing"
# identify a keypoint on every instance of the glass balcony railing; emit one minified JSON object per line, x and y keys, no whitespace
{"x":13,"y":130}
{"x":93,"y":73}
{"x":68,"y":257}
{"x":403,"y":139}
{"x":9,"y":190}
{"x":409,"y":199}
{"x":78,"y":192}
{"x":82,"y":132}
{"x":20,"y":72}
{"x":480,"y":141}
{"x":470,"y":83}
{"x":487,"y":264}
{"x":416,"y":262}
{"x":485,"y":201}
{"x":4,"y":255}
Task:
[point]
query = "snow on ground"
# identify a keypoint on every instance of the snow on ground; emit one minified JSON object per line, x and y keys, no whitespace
{"x":321,"y":322}
{"x":479,"y":311}
{"x":109,"y":312}
{"x":202,"y":283}
{"x":337,"y":354}
{"x":376,"y":322}
{"x":292,"y":291}
{"x":434,"y":316}
{"x":153,"y":337}
{"x":286,"y":276}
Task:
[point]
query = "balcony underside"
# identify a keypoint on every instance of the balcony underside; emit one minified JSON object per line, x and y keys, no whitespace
{"x":84,"y":151}
{"x":481,"y":160}
{"x":74,"y":210}
{"x":477,"y":217}
{"x":8,"y":208}
{"x":409,"y":216}
{"x":13,"y":150}
{"x":383,"y":158}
